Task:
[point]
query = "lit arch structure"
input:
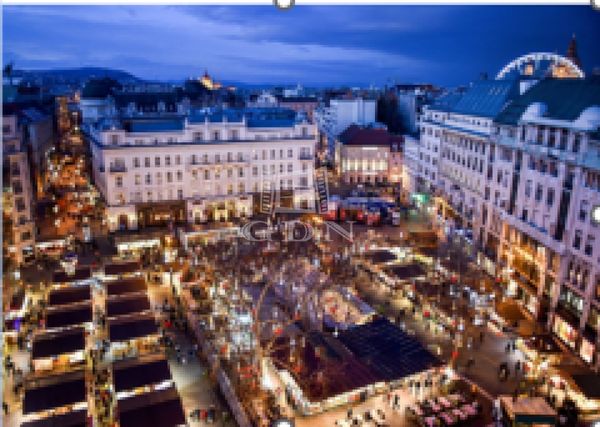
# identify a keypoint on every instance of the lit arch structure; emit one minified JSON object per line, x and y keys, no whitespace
{"x":572,"y":70}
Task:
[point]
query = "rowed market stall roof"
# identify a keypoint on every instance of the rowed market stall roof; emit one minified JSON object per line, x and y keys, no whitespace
{"x":69,"y":315}
{"x":69,"y":295}
{"x":70,"y":419}
{"x":17,"y":300}
{"x":158,"y":408}
{"x":81,"y":273}
{"x":54,"y":392}
{"x":126,"y":286}
{"x":543,"y":343}
{"x":510,"y":311}
{"x":407,"y":271}
{"x":581,"y":378}
{"x":53,"y":344}
{"x":133,"y":373}
{"x":127,"y":304}
{"x":387,"y":350}
{"x":423,"y":238}
{"x":131,"y":327}
{"x":116,"y":269}
{"x":588,"y":384}
{"x":380,"y":256}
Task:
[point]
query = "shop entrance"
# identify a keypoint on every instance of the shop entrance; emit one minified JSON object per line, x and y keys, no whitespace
{"x":123,"y":222}
{"x":161,"y":214}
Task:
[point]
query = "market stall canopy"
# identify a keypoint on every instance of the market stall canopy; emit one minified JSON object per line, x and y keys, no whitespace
{"x":387,"y":350}
{"x":54,"y":344}
{"x":407,"y":271}
{"x":54,"y":392}
{"x":423,"y":238}
{"x":70,"y":315}
{"x":70,"y":419}
{"x":588,"y":385}
{"x":131,"y":327}
{"x":133,"y":373}
{"x":128,"y":304}
{"x":528,"y":410}
{"x":17,"y":300}
{"x":510,"y":311}
{"x":159,"y":408}
{"x":543,"y":343}
{"x":81,"y":273}
{"x":116,"y":269}
{"x":69,"y":295}
{"x":380,"y":256}
{"x":126,"y":286}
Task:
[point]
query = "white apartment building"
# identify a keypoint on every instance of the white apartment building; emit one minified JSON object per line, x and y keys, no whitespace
{"x":17,"y":196}
{"x":548,"y":145}
{"x":341,"y":113}
{"x":454,"y":154}
{"x":202,"y":167}
{"x":521,"y":172}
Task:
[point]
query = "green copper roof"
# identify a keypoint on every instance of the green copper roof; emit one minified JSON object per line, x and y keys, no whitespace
{"x":565,"y":99}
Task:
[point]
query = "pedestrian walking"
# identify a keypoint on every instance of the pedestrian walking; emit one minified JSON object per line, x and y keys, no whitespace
{"x":5,"y":407}
{"x":481,"y":336}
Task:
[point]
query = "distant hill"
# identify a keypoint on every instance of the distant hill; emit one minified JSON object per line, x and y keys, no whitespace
{"x":79,"y":74}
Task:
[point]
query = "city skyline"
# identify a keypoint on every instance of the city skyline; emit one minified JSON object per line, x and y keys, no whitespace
{"x":445,"y":45}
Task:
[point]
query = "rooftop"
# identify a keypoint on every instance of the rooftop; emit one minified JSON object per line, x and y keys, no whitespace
{"x":121,"y":268}
{"x":485,"y":98}
{"x":361,"y":136}
{"x":54,"y":392}
{"x":70,"y":419}
{"x":52,"y":344}
{"x":387,"y":350}
{"x":158,"y":408}
{"x":132,"y":327}
{"x":564,"y":99}
{"x":69,"y":295}
{"x":134,"y":373}
{"x":126,"y":286}
{"x":81,"y":273}
{"x":127,"y":304}
{"x":70,"y":315}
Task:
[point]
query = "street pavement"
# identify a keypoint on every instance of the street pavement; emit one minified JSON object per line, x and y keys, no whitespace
{"x":195,"y":387}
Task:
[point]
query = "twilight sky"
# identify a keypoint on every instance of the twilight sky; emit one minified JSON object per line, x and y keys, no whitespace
{"x":447,"y":45}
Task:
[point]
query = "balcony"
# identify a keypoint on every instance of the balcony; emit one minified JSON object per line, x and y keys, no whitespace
{"x":305,"y":156}
{"x":117,"y":168}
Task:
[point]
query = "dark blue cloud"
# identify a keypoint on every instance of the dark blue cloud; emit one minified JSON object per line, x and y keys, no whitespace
{"x":447,"y":45}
